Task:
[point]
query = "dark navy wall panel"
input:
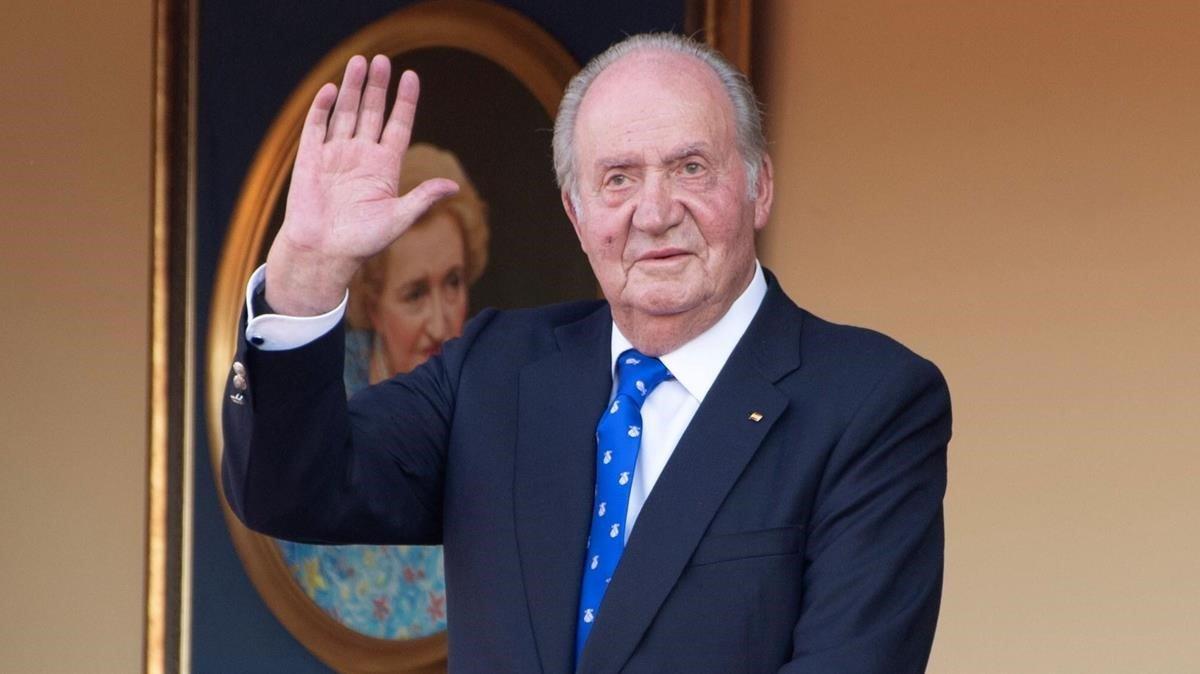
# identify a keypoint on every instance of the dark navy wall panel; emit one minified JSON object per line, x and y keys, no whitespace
{"x":251,"y":55}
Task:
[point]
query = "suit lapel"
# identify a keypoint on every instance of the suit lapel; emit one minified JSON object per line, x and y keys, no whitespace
{"x":706,"y":463}
{"x":561,"y":397}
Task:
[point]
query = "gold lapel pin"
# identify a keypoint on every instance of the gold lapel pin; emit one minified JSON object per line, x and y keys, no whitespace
{"x":756,"y":417}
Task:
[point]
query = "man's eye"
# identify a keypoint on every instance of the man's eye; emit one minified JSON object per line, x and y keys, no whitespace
{"x":617,"y":180}
{"x":693,"y":168}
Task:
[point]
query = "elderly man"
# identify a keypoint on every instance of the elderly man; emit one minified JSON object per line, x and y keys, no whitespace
{"x":693,"y":475}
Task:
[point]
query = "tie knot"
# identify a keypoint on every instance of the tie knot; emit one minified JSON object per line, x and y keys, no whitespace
{"x":638,"y":375}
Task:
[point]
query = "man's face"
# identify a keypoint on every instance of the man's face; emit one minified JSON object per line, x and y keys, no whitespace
{"x":663,"y":210}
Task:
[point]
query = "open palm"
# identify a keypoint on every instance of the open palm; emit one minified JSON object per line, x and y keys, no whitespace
{"x":343,"y":206}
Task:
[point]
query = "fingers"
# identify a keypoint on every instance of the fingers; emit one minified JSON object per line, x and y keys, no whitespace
{"x":374,"y":101}
{"x":413,"y":205}
{"x":399,"y":126}
{"x":345,"y":111}
{"x":359,"y":111}
{"x":312,"y":135}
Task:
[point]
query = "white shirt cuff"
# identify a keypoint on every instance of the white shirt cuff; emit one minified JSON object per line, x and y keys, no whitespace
{"x":276,"y":332}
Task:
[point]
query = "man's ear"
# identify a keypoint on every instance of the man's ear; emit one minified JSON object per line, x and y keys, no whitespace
{"x":765,"y":193}
{"x":572,"y":215}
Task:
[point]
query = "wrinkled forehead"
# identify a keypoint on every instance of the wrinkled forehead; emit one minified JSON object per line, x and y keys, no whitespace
{"x":650,"y":99}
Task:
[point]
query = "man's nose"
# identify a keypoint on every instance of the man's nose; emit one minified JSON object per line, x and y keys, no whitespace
{"x":654,"y":211}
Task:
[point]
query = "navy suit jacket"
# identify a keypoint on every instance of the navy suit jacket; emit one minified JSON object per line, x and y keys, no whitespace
{"x":796,"y":528}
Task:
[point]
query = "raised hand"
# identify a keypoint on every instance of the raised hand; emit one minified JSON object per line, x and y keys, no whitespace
{"x":342,"y":206}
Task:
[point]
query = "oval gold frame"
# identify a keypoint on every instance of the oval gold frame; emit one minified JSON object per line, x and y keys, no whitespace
{"x":544,"y":67}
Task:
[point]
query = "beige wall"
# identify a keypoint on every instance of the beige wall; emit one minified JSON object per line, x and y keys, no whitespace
{"x":1013,"y":189}
{"x":74,"y":246}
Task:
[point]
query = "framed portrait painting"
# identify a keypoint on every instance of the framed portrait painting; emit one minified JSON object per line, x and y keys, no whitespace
{"x":491,"y":81}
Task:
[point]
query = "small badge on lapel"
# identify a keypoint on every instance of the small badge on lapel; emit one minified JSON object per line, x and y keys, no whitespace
{"x":756,"y":417}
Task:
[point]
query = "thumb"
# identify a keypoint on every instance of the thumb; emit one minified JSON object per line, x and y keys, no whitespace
{"x":411,"y":206}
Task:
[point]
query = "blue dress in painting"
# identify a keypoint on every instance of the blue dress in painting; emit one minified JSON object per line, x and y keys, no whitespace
{"x":388,"y":592}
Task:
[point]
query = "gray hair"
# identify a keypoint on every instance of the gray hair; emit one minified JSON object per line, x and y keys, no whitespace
{"x":748,"y":126}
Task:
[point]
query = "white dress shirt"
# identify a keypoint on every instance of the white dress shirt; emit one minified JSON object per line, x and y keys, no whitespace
{"x":669,"y":408}
{"x":666,"y":412}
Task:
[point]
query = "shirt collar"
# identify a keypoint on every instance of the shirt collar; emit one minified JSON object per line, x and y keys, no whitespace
{"x":696,"y":364}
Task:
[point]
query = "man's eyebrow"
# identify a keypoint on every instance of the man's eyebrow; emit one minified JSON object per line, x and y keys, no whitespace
{"x":689,"y":150}
{"x":619,"y":161}
{"x":627,"y":160}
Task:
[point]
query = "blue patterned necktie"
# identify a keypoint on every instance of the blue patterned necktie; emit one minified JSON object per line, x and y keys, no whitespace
{"x":618,"y":439}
